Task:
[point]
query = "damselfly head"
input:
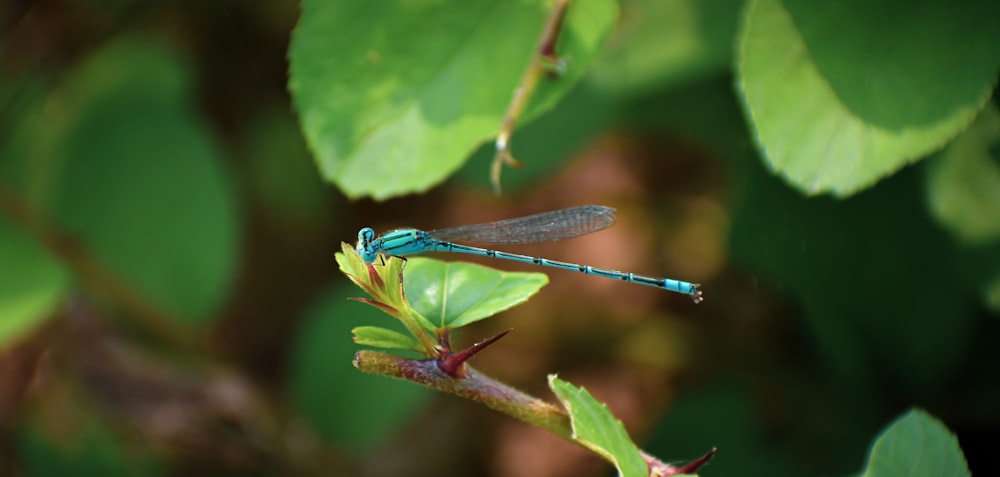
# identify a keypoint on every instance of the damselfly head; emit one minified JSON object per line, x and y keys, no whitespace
{"x":365,"y":249}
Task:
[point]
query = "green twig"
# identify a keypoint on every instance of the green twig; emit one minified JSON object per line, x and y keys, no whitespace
{"x":540,"y":65}
{"x":472,"y":385}
{"x":475,"y":386}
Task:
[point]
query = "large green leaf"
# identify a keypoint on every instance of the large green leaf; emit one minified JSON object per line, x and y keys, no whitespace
{"x":139,"y":180}
{"x":345,"y":406}
{"x":916,"y":444}
{"x":665,"y":43}
{"x":843,"y":93}
{"x":394,"y":96}
{"x":454,"y":294}
{"x":963,"y":185}
{"x":31,"y":284}
{"x":598,"y":430}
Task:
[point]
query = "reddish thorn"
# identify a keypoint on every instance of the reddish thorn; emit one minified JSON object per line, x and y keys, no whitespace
{"x":452,"y":364}
{"x":694,"y":465}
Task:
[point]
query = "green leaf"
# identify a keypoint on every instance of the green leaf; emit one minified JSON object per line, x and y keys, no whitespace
{"x":707,"y":113}
{"x":383,"y":281}
{"x":379,"y":279}
{"x":137,"y":178}
{"x":725,"y":413}
{"x":454,"y":294}
{"x":598,"y":430}
{"x":844,"y":93}
{"x":31,"y":284}
{"x":662,"y":44}
{"x":394,"y":96}
{"x":93,"y":451}
{"x":916,"y":444}
{"x":346,"y":407}
{"x":851,"y":264}
{"x":992,"y":294}
{"x":27,"y":132}
{"x":280,"y":169}
{"x":963,"y":185}
{"x":383,"y":338}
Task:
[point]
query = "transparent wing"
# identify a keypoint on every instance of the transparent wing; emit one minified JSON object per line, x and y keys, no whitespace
{"x":544,"y":227}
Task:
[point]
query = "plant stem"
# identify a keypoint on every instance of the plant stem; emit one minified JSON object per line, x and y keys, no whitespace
{"x":474,"y":386}
{"x":426,"y":340}
{"x":498,"y":396}
{"x":540,"y":65}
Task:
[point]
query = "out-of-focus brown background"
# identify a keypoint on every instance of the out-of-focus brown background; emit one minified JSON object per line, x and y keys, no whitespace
{"x":156,"y":191}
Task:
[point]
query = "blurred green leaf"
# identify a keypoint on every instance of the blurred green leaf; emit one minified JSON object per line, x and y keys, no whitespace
{"x":916,"y":444}
{"x":281,"y":171}
{"x":454,"y":294}
{"x":992,"y":294}
{"x":93,"y":451}
{"x":393,"y":97}
{"x":383,"y":338}
{"x":706,"y":113}
{"x":836,"y":108}
{"x":660,"y":44}
{"x":726,"y":414}
{"x":26,"y":134}
{"x":138,"y":179}
{"x":963,"y":185}
{"x":347,"y":407}
{"x":598,"y":430}
{"x":876,"y":278}
{"x":31,"y":284}
{"x":980,"y":268}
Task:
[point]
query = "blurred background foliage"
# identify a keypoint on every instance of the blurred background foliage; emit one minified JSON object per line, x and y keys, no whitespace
{"x":169,"y":303}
